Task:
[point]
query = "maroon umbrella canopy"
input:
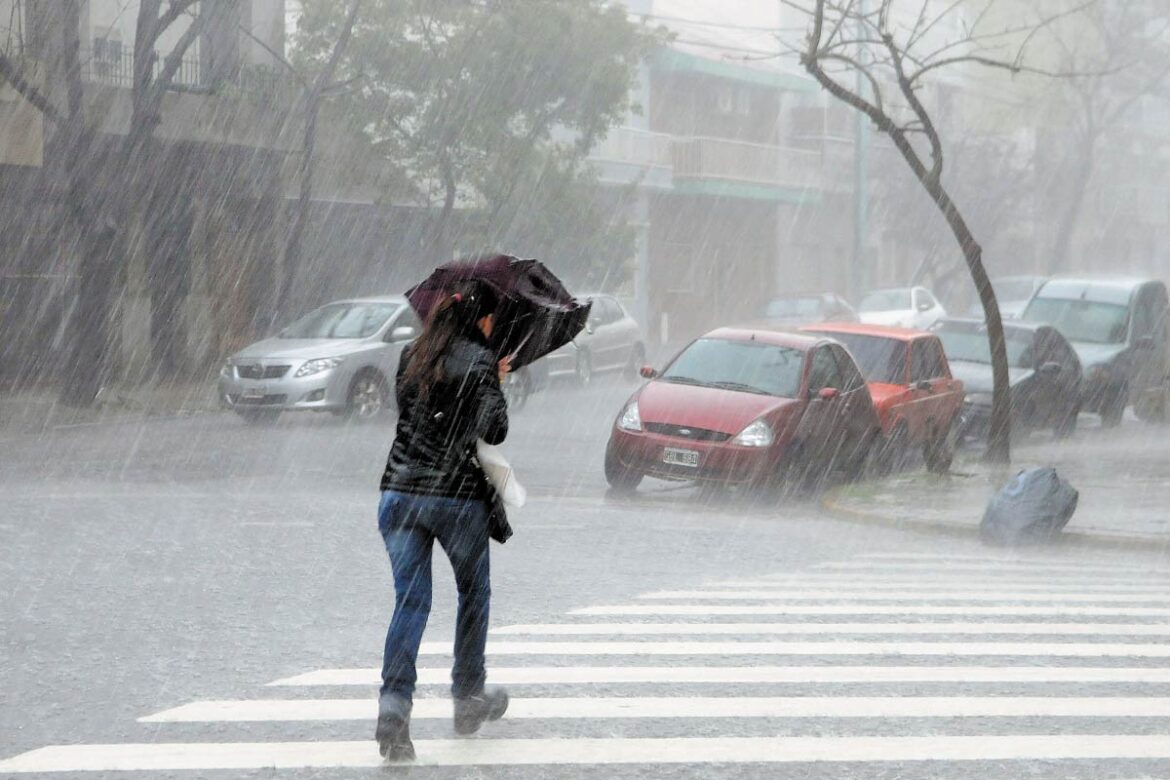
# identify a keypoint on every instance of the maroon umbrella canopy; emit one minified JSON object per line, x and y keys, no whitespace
{"x":536,"y":315}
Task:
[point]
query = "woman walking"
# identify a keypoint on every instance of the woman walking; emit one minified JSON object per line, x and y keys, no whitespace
{"x":448,"y":391}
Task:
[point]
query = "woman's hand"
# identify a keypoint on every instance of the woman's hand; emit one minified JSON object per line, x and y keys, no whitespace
{"x":505,"y":366}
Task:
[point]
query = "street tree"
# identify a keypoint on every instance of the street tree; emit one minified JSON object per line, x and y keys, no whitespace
{"x":1122,"y":51}
{"x":469,"y":98}
{"x":879,"y":61}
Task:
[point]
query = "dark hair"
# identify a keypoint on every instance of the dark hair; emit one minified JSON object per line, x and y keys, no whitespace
{"x":456,"y":315}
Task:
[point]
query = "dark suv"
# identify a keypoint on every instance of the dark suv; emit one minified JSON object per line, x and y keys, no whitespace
{"x":1117,"y":328}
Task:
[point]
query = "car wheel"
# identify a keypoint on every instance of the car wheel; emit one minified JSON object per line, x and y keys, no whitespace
{"x":584,"y":367}
{"x":1113,"y":407}
{"x":939,"y":451}
{"x":369,"y":396}
{"x":621,"y":478}
{"x":1151,"y":406}
{"x":637,"y":360}
{"x":1067,"y":426}
{"x":258,"y":416}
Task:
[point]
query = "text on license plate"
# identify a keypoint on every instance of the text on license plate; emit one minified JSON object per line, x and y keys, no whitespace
{"x":675,"y":457}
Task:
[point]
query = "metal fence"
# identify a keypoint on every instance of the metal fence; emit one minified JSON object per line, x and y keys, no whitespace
{"x":116,"y":67}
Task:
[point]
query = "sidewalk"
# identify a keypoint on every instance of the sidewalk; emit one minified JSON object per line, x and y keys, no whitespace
{"x":1124,"y":489}
{"x":39,"y":411}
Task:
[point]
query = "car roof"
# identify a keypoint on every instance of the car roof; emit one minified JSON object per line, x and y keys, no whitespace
{"x":975,"y":323}
{"x":779,"y":338}
{"x":863,"y":329}
{"x":1098,"y":288}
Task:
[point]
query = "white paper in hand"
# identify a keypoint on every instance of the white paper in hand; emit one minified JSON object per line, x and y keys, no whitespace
{"x":501,"y":474}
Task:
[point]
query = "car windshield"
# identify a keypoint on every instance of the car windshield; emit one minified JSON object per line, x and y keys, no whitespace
{"x":793,"y":307}
{"x":745,"y":366}
{"x":1080,"y":320}
{"x":341,"y":321}
{"x":1013,"y":289}
{"x":971,"y":345}
{"x":886,"y":300}
{"x":880,"y":359}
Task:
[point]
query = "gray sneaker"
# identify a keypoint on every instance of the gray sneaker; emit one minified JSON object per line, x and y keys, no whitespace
{"x":393,"y":730}
{"x":472,"y":711}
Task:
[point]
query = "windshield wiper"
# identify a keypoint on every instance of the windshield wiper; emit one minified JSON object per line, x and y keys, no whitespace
{"x":684,"y":380}
{"x":740,"y":386}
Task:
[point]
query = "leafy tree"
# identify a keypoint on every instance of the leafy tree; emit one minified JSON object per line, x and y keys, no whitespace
{"x":477,"y":100}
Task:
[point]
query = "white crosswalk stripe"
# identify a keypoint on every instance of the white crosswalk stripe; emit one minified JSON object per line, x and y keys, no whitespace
{"x":989,"y":641}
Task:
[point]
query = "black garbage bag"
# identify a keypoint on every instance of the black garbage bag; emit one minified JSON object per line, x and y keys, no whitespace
{"x":1031,"y":508}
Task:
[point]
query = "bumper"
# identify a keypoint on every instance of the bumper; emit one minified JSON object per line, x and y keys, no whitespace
{"x":720,"y":462}
{"x":563,"y":362}
{"x":325,"y":391}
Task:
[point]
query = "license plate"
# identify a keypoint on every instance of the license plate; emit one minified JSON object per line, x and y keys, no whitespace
{"x":253,"y":394}
{"x":674,"y":457}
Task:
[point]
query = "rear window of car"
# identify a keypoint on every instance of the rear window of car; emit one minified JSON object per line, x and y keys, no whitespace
{"x":886,"y":300}
{"x":743,"y":366}
{"x":880,"y":359}
{"x":1093,"y":322}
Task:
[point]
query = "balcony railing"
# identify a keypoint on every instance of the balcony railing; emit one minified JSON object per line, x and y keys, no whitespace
{"x":738,"y":161}
{"x":117,"y":69}
{"x":634,"y":147}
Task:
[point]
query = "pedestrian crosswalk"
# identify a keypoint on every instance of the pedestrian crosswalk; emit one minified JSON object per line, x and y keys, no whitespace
{"x":875,"y":660}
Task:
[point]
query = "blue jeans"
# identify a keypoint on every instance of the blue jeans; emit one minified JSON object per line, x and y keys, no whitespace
{"x":410,"y":524}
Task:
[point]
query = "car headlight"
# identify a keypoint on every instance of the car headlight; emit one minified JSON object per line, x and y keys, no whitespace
{"x":758,"y":434}
{"x":631,"y":420}
{"x":317,"y":366}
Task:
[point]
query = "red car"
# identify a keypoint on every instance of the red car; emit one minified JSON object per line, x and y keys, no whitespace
{"x":745,"y":407}
{"x":910,"y":381}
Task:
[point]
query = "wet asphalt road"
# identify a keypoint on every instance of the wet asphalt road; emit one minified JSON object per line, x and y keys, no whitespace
{"x":151,"y":564}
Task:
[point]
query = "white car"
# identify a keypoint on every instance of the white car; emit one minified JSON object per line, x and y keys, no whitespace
{"x":612,"y":341}
{"x":901,"y":307}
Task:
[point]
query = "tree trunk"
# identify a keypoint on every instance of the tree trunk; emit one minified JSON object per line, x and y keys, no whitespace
{"x":293,"y":249}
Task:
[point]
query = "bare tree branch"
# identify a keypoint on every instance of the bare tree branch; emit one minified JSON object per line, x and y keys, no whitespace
{"x":27,"y":90}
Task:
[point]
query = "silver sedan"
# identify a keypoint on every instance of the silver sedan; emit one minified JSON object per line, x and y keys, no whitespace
{"x":340,"y":358}
{"x":612,"y":341}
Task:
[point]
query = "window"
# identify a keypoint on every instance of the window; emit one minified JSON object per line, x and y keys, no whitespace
{"x":927,"y":361}
{"x":880,"y":359}
{"x":741,"y":366}
{"x":851,"y":378}
{"x":825,"y":372}
{"x":1144,"y":315}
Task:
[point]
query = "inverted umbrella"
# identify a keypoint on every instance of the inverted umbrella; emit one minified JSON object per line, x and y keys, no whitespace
{"x":537,"y":314}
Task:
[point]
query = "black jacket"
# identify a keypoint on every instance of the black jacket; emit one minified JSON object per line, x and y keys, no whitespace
{"x":434,"y":445}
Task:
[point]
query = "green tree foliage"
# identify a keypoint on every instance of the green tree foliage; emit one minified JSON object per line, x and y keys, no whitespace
{"x":490,"y":106}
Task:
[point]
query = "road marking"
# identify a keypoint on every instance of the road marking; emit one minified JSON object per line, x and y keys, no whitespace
{"x":995,"y":583}
{"x":908,"y":595}
{"x":1061,"y":650}
{"x":160,"y":757}
{"x":943,"y":567}
{"x":289,"y":710}
{"x":637,"y":629}
{"x":588,"y":675}
{"x":868,"y":609}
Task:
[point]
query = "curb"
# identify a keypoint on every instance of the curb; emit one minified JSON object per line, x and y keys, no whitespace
{"x":1084,"y":539}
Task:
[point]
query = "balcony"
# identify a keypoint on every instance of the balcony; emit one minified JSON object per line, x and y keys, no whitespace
{"x":736,"y":161}
{"x":115,"y":66}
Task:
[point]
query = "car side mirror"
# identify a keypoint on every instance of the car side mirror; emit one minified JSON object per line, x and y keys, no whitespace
{"x":924,"y":306}
{"x":648,"y":372}
{"x":922,"y":384}
{"x":402,"y":333}
{"x":828,"y":393}
{"x":1050,"y":369}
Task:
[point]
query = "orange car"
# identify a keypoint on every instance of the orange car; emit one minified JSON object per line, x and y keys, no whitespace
{"x":915,"y":396}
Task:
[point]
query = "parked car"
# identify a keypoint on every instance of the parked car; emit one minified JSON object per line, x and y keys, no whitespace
{"x":1116,"y":326}
{"x":917,"y":399}
{"x":1152,"y":401}
{"x":1012,"y":293}
{"x":746,"y":407}
{"x":901,"y":307}
{"x":340,"y":358}
{"x":803,"y":308}
{"x":1043,"y":370}
{"x":611,"y":341}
